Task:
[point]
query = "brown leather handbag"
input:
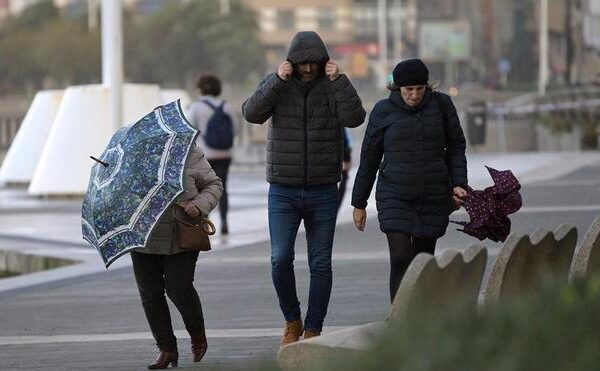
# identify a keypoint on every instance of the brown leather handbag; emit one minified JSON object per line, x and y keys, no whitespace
{"x":192,"y":234}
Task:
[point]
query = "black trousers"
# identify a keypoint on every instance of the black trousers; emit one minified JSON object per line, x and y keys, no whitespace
{"x":221,"y":168}
{"x":173,"y":274}
{"x":403,"y":249}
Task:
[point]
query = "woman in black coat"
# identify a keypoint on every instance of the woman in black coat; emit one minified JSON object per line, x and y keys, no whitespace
{"x":415,"y":142}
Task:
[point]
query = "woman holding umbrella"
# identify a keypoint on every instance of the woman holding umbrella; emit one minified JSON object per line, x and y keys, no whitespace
{"x":415,"y":142}
{"x":162,"y":266}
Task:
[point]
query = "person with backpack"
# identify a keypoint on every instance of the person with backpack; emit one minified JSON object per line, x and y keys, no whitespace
{"x":309,"y":102}
{"x":415,"y":142}
{"x":216,"y":120}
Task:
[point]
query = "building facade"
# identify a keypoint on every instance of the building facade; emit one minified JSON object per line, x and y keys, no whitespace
{"x":348,"y":27}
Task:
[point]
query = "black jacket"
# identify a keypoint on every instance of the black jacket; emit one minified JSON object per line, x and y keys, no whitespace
{"x":304,"y":141}
{"x":422,"y":160}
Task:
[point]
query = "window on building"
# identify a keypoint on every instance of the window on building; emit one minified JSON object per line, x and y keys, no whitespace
{"x":326,"y":18}
{"x":365,"y":21}
{"x":286,"y":19}
{"x":434,"y":10}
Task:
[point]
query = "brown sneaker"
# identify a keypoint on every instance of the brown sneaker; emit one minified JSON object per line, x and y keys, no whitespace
{"x":292,"y":332}
{"x":311,"y":334}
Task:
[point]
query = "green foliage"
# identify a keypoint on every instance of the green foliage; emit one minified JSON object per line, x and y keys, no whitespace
{"x":590,"y":134}
{"x":557,"y":123}
{"x":17,"y":61}
{"x":555,"y":329}
{"x":175,"y":44}
{"x":33,"y":17}
{"x":75,"y":51}
{"x":563,"y":123}
{"x":41,"y":48}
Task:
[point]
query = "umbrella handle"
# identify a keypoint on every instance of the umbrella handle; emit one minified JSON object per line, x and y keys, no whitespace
{"x":105,"y":164}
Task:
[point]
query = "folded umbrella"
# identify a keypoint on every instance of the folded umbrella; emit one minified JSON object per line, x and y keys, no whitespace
{"x":136,"y":179}
{"x":488,"y":209}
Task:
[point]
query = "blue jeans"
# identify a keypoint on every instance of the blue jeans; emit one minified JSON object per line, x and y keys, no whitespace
{"x":317,"y":206}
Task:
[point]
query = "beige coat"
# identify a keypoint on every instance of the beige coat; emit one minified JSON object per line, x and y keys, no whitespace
{"x":202,"y":187}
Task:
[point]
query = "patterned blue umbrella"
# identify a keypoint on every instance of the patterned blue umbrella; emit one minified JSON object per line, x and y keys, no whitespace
{"x":135,"y":180}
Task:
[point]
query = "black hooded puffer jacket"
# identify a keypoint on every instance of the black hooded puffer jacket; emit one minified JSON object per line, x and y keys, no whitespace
{"x":304,"y":142}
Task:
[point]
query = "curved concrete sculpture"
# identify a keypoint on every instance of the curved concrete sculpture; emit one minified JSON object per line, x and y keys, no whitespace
{"x":81,"y":129}
{"x":454,"y":276}
{"x":307,"y":354}
{"x":524,"y":262}
{"x":25,"y":151}
{"x":587,"y":256}
{"x":428,"y":279}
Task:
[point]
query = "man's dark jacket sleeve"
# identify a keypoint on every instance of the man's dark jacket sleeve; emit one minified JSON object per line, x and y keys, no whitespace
{"x":259,"y":106}
{"x":349,"y":109}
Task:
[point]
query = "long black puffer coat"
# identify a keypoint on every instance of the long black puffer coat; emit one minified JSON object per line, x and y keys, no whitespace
{"x":304,"y":141}
{"x":423,"y":159}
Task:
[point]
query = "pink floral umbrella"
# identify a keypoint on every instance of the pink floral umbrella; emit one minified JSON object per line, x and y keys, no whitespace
{"x":488,"y":209}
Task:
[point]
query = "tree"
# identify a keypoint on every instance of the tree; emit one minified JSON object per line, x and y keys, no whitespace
{"x":18,"y":66}
{"x":33,"y":17}
{"x":169,"y":47}
{"x":173,"y":45}
{"x":71,"y":53}
{"x":17,"y":41}
{"x":41,"y":46}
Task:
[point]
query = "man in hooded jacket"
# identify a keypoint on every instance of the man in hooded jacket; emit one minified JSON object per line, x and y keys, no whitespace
{"x":309,"y":102}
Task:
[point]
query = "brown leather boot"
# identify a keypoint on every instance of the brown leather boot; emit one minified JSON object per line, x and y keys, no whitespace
{"x":199,"y":345}
{"x":292,"y":332}
{"x":163,"y":360}
{"x":311,"y":334}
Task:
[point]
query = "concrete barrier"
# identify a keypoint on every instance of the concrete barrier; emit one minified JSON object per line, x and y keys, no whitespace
{"x":587,"y":256}
{"x":306,"y":354}
{"x":26,"y":148}
{"x":524,"y":261}
{"x":438,"y":281}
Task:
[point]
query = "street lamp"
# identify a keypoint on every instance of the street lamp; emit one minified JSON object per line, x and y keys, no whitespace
{"x":225,"y":7}
{"x":383,"y":41}
{"x":543,"y":60}
{"x":112,"y":58}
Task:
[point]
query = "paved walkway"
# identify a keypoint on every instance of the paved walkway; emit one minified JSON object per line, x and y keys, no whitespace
{"x":85,"y":317}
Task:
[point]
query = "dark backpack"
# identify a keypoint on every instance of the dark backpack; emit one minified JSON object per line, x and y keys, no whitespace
{"x":219,"y":129}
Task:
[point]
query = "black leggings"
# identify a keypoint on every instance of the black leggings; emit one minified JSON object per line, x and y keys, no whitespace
{"x":173,"y":274}
{"x":221,"y":168}
{"x":403,"y":249}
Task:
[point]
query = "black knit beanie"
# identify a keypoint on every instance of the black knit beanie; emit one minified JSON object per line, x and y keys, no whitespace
{"x":410,"y":72}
